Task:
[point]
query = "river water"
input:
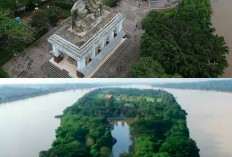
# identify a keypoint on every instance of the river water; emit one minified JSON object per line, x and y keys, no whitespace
{"x":221,"y":19}
{"x":209,"y":120}
{"x":28,"y":126}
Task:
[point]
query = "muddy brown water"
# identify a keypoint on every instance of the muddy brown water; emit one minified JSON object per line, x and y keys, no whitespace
{"x":221,"y":19}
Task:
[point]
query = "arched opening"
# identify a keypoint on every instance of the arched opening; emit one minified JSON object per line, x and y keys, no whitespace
{"x":87,"y":60}
{"x":107,"y":41}
{"x":115,"y":33}
{"x":97,"y":50}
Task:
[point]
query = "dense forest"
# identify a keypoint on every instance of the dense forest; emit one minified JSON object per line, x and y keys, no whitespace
{"x":219,"y":85}
{"x":181,"y":45}
{"x":158,"y":126}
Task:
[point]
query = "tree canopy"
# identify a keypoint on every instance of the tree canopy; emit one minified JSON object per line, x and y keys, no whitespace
{"x":11,"y":32}
{"x":187,"y":45}
{"x":158,"y":125}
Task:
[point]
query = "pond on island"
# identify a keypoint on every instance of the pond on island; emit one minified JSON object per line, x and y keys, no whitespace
{"x":121,"y":132}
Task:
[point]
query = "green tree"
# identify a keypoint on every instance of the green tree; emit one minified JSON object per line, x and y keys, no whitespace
{"x":186,"y":46}
{"x":105,"y":152}
{"x":180,"y":146}
{"x":13,"y":36}
{"x":161,"y":155}
{"x":12,"y":5}
{"x":55,"y":13}
{"x":144,"y":147}
{"x":39,"y":18}
{"x":147,"y":67}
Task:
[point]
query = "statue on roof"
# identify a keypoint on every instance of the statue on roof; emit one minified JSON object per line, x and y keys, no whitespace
{"x":84,"y":14}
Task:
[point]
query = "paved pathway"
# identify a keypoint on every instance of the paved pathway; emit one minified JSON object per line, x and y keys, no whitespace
{"x":135,"y":11}
{"x":30,"y":62}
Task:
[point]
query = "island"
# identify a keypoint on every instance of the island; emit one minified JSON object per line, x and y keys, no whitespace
{"x":157,"y":125}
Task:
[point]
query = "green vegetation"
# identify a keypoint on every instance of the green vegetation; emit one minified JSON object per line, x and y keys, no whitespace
{"x":219,"y":85}
{"x":54,"y":14}
{"x":39,"y":18}
{"x":15,"y":36}
{"x":13,"y":92}
{"x":13,"y":6}
{"x":149,"y":68}
{"x":111,"y":3}
{"x":158,"y":125}
{"x":42,"y":18}
{"x":65,"y":4}
{"x":3,"y":74}
{"x":186,"y":46}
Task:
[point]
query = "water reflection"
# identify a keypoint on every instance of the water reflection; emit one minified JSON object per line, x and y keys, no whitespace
{"x":121,"y":132}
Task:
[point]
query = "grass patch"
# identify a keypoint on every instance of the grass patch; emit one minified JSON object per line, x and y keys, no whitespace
{"x":111,"y":3}
{"x":3,"y":74}
{"x":4,"y":56}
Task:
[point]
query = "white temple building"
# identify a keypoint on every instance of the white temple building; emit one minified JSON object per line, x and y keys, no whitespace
{"x":88,"y":49}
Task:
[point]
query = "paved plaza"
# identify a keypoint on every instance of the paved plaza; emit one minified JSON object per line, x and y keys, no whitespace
{"x":30,"y":63}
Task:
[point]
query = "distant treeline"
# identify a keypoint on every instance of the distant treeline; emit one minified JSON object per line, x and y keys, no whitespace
{"x":16,"y":92}
{"x":219,"y":85}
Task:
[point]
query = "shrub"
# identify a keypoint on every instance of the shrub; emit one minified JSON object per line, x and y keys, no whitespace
{"x":111,"y":3}
{"x":39,"y":34}
{"x":39,"y":18}
{"x":4,"y":56}
{"x":54,"y":13}
{"x":147,"y":67}
{"x":64,"y":4}
{"x":3,"y":74}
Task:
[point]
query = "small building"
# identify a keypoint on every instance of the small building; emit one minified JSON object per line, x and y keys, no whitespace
{"x":84,"y":52}
{"x":109,"y":96}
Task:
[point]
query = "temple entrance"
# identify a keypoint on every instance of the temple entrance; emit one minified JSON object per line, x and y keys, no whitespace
{"x":72,"y":61}
{"x":59,"y":58}
{"x":67,"y":64}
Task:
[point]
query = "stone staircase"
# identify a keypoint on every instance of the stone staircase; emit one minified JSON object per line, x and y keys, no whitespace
{"x":59,"y":72}
{"x":108,"y":63}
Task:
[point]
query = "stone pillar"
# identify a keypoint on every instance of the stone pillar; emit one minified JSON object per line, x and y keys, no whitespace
{"x":92,"y":52}
{"x":57,"y":55}
{"x":80,"y":64}
{"x":120,"y":26}
{"x":117,"y":29}
{"x":102,"y":45}
{"x":111,"y":36}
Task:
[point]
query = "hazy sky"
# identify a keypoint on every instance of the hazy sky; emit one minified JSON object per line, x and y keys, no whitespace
{"x":99,"y":80}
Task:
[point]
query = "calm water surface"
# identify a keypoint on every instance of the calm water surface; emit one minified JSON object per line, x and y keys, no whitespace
{"x":28,"y":126}
{"x":209,"y":120}
{"x":121,"y":132}
{"x":221,"y":19}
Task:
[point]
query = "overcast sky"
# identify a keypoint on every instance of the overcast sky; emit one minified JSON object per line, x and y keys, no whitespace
{"x":100,"y":80}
